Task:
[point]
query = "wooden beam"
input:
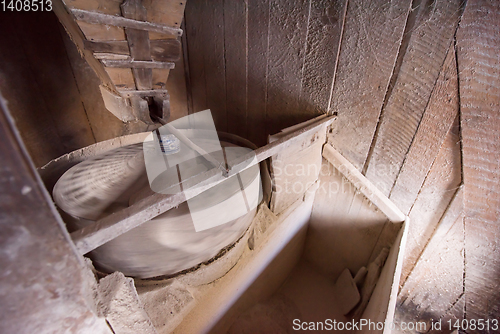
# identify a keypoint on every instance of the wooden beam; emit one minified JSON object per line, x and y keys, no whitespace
{"x":138,"y":43}
{"x":114,"y":225}
{"x":78,"y":38}
{"x":99,"y":18}
{"x":161,"y":49}
{"x":363,"y":184}
{"x":144,"y":93}
{"x":129,"y":63}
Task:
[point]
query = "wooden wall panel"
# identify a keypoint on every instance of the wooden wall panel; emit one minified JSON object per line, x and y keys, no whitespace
{"x":478,"y":53}
{"x":207,"y":67}
{"x":437,"y":120}
{"x":427,"y":47}
{"x":258,"y":51}
{"x":370,"y":44}
{"x":38,"y":83}
{"x":325,"y":28}
{"x":276,"y":65}
{"x":287,"y":39}
{"x":236,"y":51}
{"x":435,"y":195}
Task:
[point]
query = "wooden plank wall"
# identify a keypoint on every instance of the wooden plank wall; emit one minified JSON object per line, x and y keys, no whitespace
{"x":478,"y":53}
{"x":53,"y":93}
{"x":261,"y":66}
{"x":405,"y":108}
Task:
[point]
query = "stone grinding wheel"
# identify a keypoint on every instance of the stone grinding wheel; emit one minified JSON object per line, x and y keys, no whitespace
{"x":164,"y":246}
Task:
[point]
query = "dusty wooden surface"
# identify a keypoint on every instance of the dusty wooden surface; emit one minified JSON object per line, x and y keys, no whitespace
{"x":371,"y":39}
{"x":256,"y":65}
{"x":47,"y":108}
{"x":295,"y":169}
{"x":45,"y":287}
{"x":368,"y":189}
{"x":435,"y":288}
{"x":478,"y":52}
{"x":437,"y":120}
{"x":428,"y":44}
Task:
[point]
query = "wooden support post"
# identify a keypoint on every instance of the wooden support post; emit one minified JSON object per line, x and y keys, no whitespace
{"x":112,"y":226}
{"x":363,"y":184}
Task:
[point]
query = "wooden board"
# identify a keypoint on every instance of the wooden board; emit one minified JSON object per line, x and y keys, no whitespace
{"x":236,"y":66}
{"x":478,"y":50}
{"x":104,"y":124}
{"x":435,"y":288}
{"x":258,"y":50}
{"x":437,"y":191}
{"x":325,"y":28}
{"x":372,"y":34}
{"x":363,"y":184}
{"x":292,"y":175}
{"x":206,"y":58}
{"x":381,"y":307}
{"x":288,"y":22}
{"x":401,"y":115}
{"x":436,"y":122}
{"x":47,"y":107}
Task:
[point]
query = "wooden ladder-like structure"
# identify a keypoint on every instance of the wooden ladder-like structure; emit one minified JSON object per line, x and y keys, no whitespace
{"x":132,"y":46}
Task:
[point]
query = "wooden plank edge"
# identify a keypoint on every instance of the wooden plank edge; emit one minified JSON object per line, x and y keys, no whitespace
{"x":129,"y":63}
{"x":143,"y":93}
{"x":367,"y":188}
{"x":119,"y":21}
{"x":99,"y":232}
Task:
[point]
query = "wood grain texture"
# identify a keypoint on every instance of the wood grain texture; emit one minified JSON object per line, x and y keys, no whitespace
{"x":288,"y":28}
{"x":295,"y":170}
{"x":206,"y":58}
{"x":236,"y":51}
{"x":47,"y":106}
{"x":125,"y":22}
{"x":161,"y":49}
{"x":45,"y":286}
{"x":195,"y":39}
{"x":138,"y":43}
{"x":435,"y":124}
{"x":258,"y":50}
{"x":437,"y":191}
{"x":78,"y":37}
{"x":434,"y":290}
{"x":401,"y":115}
{"x":325,"y":29}
{"x":368,"y":51}
{"x":478,"y":52}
